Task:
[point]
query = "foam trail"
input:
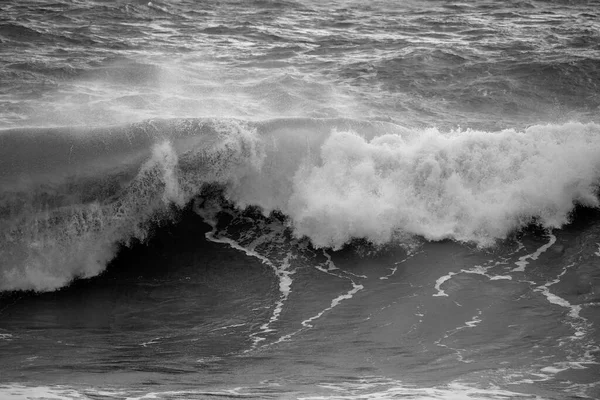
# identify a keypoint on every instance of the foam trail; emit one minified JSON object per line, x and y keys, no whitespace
{"x":522,"y":263}
{"x":480,"y":270}
{"x":333,"y":270}
{"x":476,"y":320}
{"x":477,"y":270}
{"x":152,"y":341}
{"x":580,"y":347}
{"x":574,"y":310}
{"x":394,"y":269}
{"x":6,"y":336}
{"x":579,"y":324}
{"x":228,"y":327}
{"x":439,"y":282}
{"x":208,"y":212}
{"x":335,"y":302}
{"x":331,"y":266}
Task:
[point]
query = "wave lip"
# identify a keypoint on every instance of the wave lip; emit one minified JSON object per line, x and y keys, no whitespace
{"x":71,"y":196}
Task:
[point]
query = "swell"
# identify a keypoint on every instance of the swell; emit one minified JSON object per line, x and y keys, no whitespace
{"x":71,"y":196}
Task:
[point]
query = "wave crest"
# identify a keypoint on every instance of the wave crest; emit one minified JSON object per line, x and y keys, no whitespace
{"x":335,"y":180}
{"x":465,"y":185}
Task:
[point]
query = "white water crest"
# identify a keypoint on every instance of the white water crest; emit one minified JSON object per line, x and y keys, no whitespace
{"x":334,"y":180}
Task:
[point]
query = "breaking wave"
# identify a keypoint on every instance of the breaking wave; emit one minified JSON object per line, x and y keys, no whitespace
{"x":71,"y":196}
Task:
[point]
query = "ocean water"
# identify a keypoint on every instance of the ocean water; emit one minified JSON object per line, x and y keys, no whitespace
{"x":299,"y":199}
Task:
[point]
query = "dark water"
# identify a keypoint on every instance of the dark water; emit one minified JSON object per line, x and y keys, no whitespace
{"x":268,"y":199}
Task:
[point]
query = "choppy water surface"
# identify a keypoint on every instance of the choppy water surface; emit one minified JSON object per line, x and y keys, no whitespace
{"x":278,"y":199}
{"x":485,"y":64}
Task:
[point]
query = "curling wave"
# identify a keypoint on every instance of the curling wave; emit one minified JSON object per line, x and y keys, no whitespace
{"x":71,"y":196}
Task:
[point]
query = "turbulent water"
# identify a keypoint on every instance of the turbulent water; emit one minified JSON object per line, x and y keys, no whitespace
{"x":299,"y":199}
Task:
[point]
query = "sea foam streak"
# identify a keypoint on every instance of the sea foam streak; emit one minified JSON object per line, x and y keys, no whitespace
{"x":69,"y":196}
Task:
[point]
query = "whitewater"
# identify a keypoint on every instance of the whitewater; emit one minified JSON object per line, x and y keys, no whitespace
{"x":334,"y":181}
{"x":298,"y":199}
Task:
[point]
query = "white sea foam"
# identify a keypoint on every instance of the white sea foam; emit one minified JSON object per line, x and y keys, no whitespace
{"x":468,"y":185}
{"x":522,"y":263}
{"x":476,"y":270}
{"x":440,"y":281}
{"x":333,"y":270}
{"x":281,"y":268}
{"x":380,"y":183}
{"x":574,"y":309}
{"x":580,"y":346}
{"x":307,"y":323}
{"x":6,"y":336}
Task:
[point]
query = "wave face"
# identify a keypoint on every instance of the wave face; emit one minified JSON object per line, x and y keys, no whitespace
{"x":72,"y":196}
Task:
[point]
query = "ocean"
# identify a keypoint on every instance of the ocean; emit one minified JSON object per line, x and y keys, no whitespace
{"x":299,"y":199}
